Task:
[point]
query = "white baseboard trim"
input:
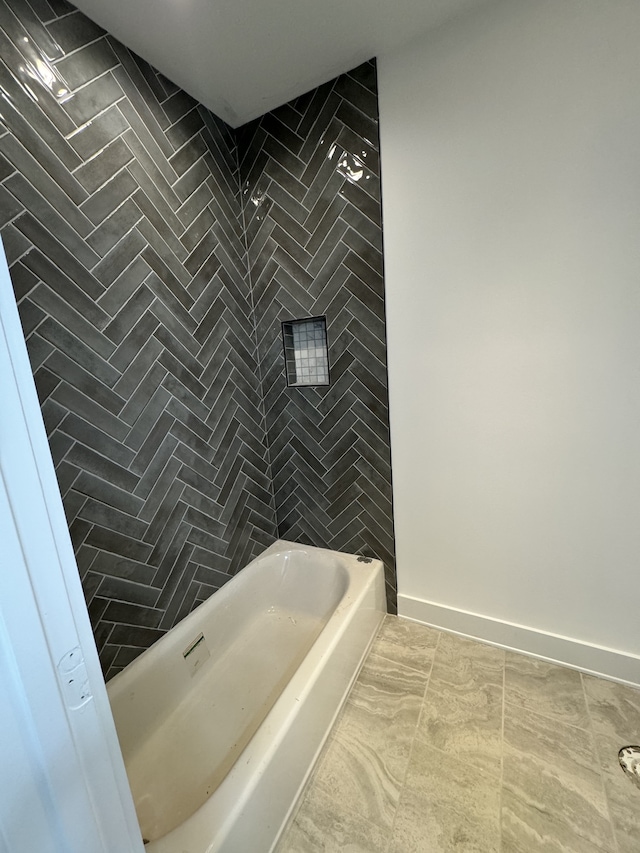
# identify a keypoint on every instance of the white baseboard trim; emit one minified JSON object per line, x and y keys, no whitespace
{"x":595,"y":660}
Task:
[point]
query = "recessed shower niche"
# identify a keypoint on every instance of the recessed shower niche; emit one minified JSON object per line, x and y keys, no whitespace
{"x":306,"y":353}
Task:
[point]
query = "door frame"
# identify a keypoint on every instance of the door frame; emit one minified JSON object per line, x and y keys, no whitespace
{"x":67,"y":788}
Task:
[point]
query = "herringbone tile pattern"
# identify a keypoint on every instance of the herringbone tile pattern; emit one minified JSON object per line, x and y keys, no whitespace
{"x":311,"y":193}
{"x":121,"y":216}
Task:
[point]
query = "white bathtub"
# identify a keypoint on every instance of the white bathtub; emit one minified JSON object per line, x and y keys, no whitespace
{"x":221,"y":720}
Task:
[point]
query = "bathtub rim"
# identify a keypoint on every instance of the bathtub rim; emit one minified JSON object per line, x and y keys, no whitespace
{"x":140,"y":674}
{"x":223,"y":824}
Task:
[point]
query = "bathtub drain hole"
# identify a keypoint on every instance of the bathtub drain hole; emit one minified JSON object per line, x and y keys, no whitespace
{"x":629,"y":758}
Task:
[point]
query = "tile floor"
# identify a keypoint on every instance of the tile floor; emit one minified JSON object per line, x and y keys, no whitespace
{"x":446,"y":744}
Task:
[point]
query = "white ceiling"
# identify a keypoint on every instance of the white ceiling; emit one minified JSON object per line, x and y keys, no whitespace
{"x":243,"y":58}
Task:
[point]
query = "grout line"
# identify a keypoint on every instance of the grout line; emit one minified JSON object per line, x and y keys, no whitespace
{"x":413,"y":740}
{"x":596,"y":752}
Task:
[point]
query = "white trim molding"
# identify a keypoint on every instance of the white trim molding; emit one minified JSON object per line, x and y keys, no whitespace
{"x":613,"y":664}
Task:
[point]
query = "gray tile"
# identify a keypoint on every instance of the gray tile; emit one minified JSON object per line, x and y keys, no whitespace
{"x":90,"y":138}
{"x":55,"y":219}
{"x":104,"y":165}
{"x":123,"y":254}
{"x":72,"y":347}
{"x":407,"y":643}
{"x":93,"y":99}
{"x":132,"y":614}
{"x":55,"y":184}
{"x":364,"y":767}
{"x":140,"y":95}
{"x":551,"y":768}
{"x":18,"y":19}
{"x":15,"y":245}
{"x":35,"y":130}
{"x":78,"y":376}
{"x":614,"y":709}
{"x":116,"y":474}
{"x":134,"y":635}
{"x":546,"y":688}
{"x":103,"y":202}
{"x":464,"y":720}
{"x":87,"y":63}
{"x":114,"y":227}
{"x":317,"y":829}
{"x":71,"y":320}
{"x":78,"y":288}
{"x":622,"y":795}
{"x":467,"y":662}
{"x":74,"y":31}
{"x":529,"y":829}
{"x":445,"y":807}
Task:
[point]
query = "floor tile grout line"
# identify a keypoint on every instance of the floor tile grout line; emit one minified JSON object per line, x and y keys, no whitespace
{"x":413,"y":741}
{"x":404,"y":665}
{"x":335,"y":727}
{"x":596,"y":752}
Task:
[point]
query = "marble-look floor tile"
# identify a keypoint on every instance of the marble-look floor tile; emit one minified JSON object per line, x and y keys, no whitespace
{"x":364,"y":767}
{"x":407,"y":774}
{"x":545,"y":688}
{"x":615,"y":716}
{"x":384,"y":680}
{"x":467,"y":662}
{"x":551,"y":768}
{"x":465,"y":721}
{"x":622,"y":795}
{"x":446,"y":806}
{"x":462,"y":712}
{"x":406,"y":642}
{"x":526,"y":829}
{"x":318,"y":829}
{"x":614,"y":709}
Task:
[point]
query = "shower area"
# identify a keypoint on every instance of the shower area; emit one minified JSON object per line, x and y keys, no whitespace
{"x":166,"y":267}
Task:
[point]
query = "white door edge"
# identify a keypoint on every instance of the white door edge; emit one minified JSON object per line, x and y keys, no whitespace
{"x":67,"y":789}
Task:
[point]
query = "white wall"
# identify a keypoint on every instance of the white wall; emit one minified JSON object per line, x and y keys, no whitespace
{"x":511,"y":190}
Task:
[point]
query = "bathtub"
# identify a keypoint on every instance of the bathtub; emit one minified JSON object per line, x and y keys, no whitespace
{"x":221,"y":720}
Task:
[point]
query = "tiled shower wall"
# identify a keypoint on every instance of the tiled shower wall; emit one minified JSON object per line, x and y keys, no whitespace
{"x":311,"y":193}
{"x":121,"y":217}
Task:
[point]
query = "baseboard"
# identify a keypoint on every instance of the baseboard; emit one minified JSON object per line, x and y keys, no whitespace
{"x":595,"y":660}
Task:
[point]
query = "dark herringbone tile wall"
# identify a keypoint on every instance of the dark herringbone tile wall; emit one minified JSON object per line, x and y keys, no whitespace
{"x":311,"y":192}
{"x":121,"y":217}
